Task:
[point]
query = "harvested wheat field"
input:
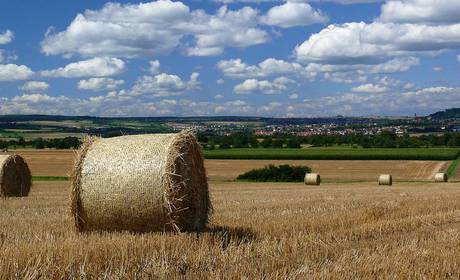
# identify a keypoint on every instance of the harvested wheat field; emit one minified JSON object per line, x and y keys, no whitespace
{"x":337,"y":170}
{"x":47,"y":162}
{"x":59,"y":163}
{"x":272,"y":231}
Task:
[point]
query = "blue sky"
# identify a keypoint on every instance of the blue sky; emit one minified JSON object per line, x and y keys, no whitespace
{"x":293,"y":58}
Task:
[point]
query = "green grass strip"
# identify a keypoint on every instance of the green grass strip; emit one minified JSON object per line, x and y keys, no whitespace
{"x":453,"y":168}
{"x":50,"y":178}
{"x":336,"y":154}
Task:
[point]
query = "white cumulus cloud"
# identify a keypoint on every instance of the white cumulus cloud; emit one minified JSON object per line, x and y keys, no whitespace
{"x":6,"y":37}
{"x":154,"y":67}
{"x":163,"y":85}
{"x":36,"y":98}
{"x":293,"y":96}
{"x":98,"y":84}
{"x":293,"y":13}
{"x":36,"y":86}
{"x":94,"y":67}
{"x":264,"y":86}
{"x":369,"y":88}
{"x":343,"y":2}
{"x":354,"y":43}
{"x":156,"y":27}
{"x":226,"y":28}
{"x":13,"y":72}
{"x":236,"y":68}
{"x":421,"y":11}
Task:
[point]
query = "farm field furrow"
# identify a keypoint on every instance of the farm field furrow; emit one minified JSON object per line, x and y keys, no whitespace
{"x":272,"y":231}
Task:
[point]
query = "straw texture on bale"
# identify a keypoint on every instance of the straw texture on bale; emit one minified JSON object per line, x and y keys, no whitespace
{"x":386,"y":180}
{"x":440,"y":177}
{"x":140,"y":183}
{"x":312,"y":179}
{"x":15,"y":177}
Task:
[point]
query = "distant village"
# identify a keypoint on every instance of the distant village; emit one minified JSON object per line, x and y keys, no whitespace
{"x":370,"y":129}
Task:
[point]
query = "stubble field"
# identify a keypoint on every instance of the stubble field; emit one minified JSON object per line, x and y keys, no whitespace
{"x":271,"y":231}
{"x":59,"y":163}
{"x":339,"y":230}
{"x":335,"y":170}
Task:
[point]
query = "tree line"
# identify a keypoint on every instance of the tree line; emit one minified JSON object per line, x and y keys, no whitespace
{"x":385,"y":139}
{"x":40,"y":143}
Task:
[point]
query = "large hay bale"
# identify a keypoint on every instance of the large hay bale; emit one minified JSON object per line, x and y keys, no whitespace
{"x":385,"y":180}
{"x":15,"y":178}
{"x":312,"y":179}
{"x":140,"y":183}
{"x":440,"y":178}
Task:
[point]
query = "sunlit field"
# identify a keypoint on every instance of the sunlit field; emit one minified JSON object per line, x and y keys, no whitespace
{"x":59,"y":163}
{"x":341,"y":229}
{"x":283,"y":231}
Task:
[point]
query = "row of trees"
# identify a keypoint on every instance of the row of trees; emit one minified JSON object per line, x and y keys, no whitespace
{"x":40,"y":143}
{"x":247,"y":140}
{"x":386,"y":139}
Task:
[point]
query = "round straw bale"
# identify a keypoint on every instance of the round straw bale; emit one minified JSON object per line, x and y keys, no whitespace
{"x":15,"y":178}
{"x":312,"y":179}
{"x":386,"y":180}
{"x":140,"y":183}
{"x":440,"y":178}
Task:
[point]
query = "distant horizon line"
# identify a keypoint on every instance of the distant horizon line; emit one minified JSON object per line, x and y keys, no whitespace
{"x":220,"y":116}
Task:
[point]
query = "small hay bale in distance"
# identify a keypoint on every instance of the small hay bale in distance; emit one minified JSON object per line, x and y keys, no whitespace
{"x":140,"y":183}
{"x":385,"y":180}
{"x":313,"y":179}
{"x":440,"y":178}
{"x":15,"y":177}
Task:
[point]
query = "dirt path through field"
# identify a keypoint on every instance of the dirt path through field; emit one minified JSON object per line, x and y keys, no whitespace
{"x":440,"y":167}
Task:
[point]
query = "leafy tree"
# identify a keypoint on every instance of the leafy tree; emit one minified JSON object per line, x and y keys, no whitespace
{"x":267,"y":142}
{"x":21,"y":141}
{"x":254,"y":142}
{"x":224,"y":146}
{"x":293,"y":143}
{"x":39,"y":143}
{"x":277,"y":143}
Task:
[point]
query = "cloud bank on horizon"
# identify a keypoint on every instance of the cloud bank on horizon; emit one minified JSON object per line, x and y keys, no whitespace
{"x":292,"y":58}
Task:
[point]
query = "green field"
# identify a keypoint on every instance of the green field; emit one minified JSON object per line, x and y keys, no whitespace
{"x":453,"y":168}
{"x":50,"y":178}
{"x":337,"y":154}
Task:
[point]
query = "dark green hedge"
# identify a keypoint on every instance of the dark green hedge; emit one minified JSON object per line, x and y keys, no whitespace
{"x":272,"y":173}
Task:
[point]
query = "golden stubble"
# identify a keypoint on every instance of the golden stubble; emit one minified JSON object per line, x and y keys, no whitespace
{"x":266,"y":230}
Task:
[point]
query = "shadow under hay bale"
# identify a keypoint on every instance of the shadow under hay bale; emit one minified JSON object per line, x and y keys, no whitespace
{"x":140,"y":183}
{"x":385,"y":180}
{"x":441,"y":178}
{"x":15,"y":177}
{"x":312,"y":179}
